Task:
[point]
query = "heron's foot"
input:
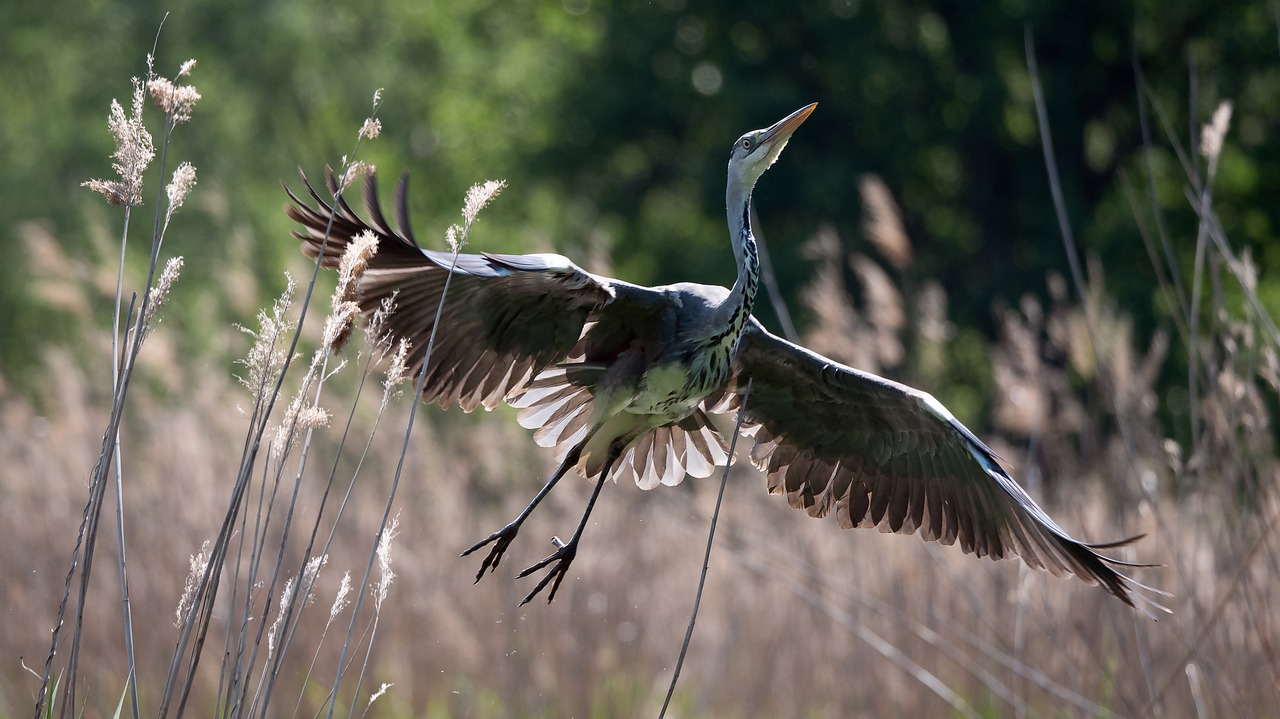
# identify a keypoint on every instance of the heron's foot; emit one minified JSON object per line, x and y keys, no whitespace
{"x":501,"y":539}
{"x":561,"y":559}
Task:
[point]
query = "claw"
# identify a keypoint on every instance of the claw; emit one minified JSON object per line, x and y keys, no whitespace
{"x":562,"y":557}
{"x":501,"y":540}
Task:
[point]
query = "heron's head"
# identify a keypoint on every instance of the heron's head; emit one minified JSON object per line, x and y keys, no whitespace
{"x":755,"y":151}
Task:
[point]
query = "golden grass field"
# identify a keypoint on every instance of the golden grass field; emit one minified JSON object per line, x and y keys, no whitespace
{"x":799,"y":618}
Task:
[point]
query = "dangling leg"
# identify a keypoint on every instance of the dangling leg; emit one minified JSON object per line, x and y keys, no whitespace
{"x":564,"y":554}
{"x":503,"y":537}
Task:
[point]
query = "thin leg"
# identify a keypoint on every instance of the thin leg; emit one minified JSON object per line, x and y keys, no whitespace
{"x":564,"y":554}
{"x":503,"y":537}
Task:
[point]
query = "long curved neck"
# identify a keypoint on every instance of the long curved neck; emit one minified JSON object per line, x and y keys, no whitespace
{"x":733,"y":313}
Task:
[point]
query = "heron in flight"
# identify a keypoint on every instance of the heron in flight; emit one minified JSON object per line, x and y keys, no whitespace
{"x":621,"y":380}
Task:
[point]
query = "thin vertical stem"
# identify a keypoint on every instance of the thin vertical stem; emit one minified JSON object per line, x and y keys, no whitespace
{"x":706,"y":557}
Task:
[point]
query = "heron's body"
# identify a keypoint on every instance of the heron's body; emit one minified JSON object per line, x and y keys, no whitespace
{"x":624,"y":385}
{"x":620,"y":380}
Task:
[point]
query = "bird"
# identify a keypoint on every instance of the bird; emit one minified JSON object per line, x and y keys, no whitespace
{"x":623,"y":380}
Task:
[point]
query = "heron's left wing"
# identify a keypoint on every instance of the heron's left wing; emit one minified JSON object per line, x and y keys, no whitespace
{"x":877,"y":453}
{"x":504,"y":319}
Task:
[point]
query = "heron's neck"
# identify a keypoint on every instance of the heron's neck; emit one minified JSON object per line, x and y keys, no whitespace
{"x":734,"y":312}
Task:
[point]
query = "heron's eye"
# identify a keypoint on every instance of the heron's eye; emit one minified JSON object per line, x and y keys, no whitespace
{"x":747,"y":144}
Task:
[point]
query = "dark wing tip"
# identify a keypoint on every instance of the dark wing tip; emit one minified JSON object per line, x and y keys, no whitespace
{"x":1116,"y":544}
{"x":328,"y":225}
{"x":402,"y":207}
{"x":1096,"y":568}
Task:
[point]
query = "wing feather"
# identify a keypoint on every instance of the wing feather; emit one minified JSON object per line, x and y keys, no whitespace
{"x":505,"y":317}
{"x":888,"y":456}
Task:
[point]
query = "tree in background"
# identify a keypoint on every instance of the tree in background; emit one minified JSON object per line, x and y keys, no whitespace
{"x":610,"y":123}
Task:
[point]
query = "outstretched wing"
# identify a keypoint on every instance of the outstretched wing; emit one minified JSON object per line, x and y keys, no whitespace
{"x":877,"y":453}
{"x":505,"y":317}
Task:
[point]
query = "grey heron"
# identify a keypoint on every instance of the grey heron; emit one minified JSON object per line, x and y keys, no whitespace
{"x":621,"y":380}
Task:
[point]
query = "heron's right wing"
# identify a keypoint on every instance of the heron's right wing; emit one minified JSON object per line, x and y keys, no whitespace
{"x":505,"y":317}
{"x":876,"y":453}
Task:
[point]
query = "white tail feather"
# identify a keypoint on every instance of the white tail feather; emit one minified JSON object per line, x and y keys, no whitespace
{"x":562,"y":411}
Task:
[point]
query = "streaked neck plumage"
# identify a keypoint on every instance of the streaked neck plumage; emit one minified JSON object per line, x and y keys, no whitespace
{"x":732,"y":314}
{"x":753,"y":153}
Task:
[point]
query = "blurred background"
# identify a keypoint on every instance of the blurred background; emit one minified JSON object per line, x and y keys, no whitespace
{"x":912,"y":231}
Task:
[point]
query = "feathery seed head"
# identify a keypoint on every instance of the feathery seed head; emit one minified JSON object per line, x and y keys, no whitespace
{"x":1212,"y":134}
{"x":299,"y":417}
{"x":184,"y":178}
{"x":199,"y":563}
{"x":273,"y":636}
{"x":313,"y":417}
{"x":310,"y":572}
{"x":398,"y":371}
{"x":341,"y":601}
{"x":175,"y":100}
{"x":338,"y":325}
{"x":479,"y":196}
{"x":883,"y":224}
{"x":265,"y":358}
{"x":385,"y":575}
{"x":355,"y":171}
{"x":134,"y":152}
{"x":381,"y":690}
{"x":158,"y":294}
{"x":353,"y":264}
{"x":374,"y":328}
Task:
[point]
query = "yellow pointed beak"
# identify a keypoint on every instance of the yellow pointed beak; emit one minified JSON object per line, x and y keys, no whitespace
{"x":782,"y":129}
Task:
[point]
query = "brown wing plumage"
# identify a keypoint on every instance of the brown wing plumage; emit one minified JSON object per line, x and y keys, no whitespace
{"x":505,"y":318}
{"x":877,"y":453}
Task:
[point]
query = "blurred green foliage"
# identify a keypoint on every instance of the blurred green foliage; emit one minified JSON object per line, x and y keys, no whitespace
{"x":611,"y":123}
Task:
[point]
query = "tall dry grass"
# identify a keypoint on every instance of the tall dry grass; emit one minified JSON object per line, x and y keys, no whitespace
{"x":798,"y":619}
